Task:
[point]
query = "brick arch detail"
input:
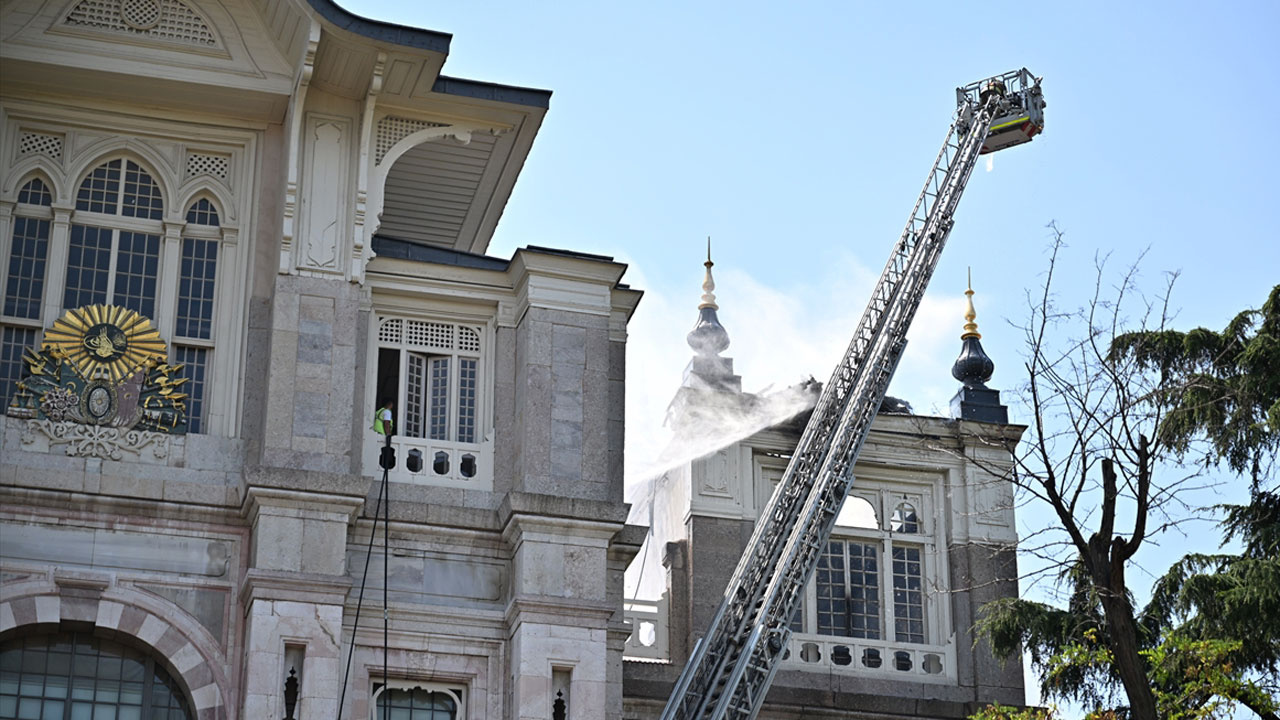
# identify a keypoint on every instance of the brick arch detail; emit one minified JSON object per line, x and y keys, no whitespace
{"x":165,"y":630}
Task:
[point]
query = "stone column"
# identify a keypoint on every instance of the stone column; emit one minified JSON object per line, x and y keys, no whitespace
{"x":560,"y":614}
{"x":293,"y":598}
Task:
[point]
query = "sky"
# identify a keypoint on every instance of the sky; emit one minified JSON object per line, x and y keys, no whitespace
{"x":798,"y":136}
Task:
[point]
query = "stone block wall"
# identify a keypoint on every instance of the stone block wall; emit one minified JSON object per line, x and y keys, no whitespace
{"x":566,"y":406}
{"x":314,"y":406}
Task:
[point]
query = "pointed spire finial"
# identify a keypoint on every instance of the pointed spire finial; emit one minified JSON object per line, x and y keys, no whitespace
{"x":709,"y":283}
{"x":970,"y":314}
{"x":973,"y":367}
{"x":708,"y":336}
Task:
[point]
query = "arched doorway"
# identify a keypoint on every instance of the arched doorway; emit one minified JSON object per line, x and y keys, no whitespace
{"x":80,"y":676}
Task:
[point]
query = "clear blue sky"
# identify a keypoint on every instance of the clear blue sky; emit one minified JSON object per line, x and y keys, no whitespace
{"x":799,"y":135}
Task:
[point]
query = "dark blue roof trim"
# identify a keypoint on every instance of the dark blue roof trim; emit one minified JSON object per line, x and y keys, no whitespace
{"x":531,"y":97}
{"x":389,"y":247}
{"x":384,"y":31}
{"x":568,"y":253}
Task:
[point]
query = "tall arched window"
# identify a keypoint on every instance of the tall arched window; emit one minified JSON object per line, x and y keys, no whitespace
{"x":76,"y":676}
{"x":193,"y":331}
{"x":114,"y":253}
{"x":118,"y":243}
{"x":24,"y":281}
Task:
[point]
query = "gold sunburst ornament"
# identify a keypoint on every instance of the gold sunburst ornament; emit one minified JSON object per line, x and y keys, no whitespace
{"x":105,"y":342}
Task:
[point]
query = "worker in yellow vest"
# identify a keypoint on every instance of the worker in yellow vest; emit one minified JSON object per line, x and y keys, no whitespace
{"x":382,"y":418}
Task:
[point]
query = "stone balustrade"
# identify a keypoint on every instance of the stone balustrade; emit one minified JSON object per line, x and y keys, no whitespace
{"x":648,"y":638}
{"x":855,"y":656}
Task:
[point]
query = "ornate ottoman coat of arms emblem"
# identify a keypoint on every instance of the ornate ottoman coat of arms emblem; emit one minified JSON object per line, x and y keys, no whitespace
{"x":103,"y":366}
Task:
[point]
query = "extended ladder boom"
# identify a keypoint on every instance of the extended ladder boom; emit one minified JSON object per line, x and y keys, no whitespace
{"x":732,"y":666}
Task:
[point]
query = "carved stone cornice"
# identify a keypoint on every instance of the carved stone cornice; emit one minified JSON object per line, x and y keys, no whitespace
{"x":559,"y":611}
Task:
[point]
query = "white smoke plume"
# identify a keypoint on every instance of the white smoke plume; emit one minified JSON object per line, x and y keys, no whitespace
{"x":709,"y":431}
{"x":780,"y":337}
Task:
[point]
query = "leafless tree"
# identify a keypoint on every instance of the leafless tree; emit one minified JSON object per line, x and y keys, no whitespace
{"x":1091,"y":452}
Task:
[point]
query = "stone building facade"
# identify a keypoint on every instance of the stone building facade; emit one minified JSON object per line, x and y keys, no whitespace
{"x":231,"y":229}
{"x":926,"y":536}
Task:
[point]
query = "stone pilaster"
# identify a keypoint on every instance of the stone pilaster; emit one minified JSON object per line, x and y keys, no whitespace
{"x":314,"y":394}
{"x":301,"y":612}
{"x":560,"y":616}
{"x":293,"y":595}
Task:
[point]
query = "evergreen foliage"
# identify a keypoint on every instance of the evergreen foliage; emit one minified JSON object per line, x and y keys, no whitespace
{"x":1225,"y":386}
{"x":1208,"y":641}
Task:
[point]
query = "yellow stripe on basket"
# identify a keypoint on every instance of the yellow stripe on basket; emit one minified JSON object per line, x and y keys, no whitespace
{"x":1019,"y":121}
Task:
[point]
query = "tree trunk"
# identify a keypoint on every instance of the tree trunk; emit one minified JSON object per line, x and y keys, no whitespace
{"x":1122,"y":629}
{"x":1124,"y":647}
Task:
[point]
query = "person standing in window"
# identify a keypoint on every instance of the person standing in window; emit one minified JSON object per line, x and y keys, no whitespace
{"x":382,"y":418}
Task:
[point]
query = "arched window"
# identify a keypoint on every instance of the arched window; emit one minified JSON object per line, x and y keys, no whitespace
{"x":114,"y":252}
{"x":118,"y":244}
{"x":193,"y":331}
{"x":24,"y":281}
{"x":77,"y":676}
{"x":904,"y":519}
{"x":420,"y":704}
{"x":870,"y":579}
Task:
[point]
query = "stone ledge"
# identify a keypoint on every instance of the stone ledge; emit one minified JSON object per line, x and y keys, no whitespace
{"x":310,"y":481}
{"x":15,"y":498}
{"x":544,"y":610}
{"x":522,"y":503}
{"x":440,"y":506}
{"x":294,"y":587}
{"x":258,"y":499}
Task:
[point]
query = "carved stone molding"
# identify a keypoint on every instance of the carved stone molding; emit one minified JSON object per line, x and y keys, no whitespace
{"x":97,"y":441}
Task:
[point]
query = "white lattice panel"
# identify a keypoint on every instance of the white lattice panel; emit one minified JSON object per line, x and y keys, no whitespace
{"x":439,"y":336}
{"x":392,"y":130}
{"x":390,"y":331}
{"x":169,"y":20}
{"x":468,"y":340}
{"x":32,"y":143}
{"x":208,"y":164}
{"x":140,"y":14}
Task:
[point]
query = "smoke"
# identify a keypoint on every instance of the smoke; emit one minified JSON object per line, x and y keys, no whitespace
{"x":782,"y":334}
{"x":709,"y":430}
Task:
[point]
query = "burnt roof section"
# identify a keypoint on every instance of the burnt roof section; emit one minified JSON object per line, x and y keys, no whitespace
{"x":389,"y":247}
{"x":420,"y":38}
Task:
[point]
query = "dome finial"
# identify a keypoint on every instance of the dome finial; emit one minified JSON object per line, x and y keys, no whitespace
{"x":973,"y":367}
{"x":709,"y":283}
{"x":970,"y":315}
{"x":708,"y":336}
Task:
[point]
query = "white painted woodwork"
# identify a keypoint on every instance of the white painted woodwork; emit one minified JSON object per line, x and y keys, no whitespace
{"x":432,"y":187}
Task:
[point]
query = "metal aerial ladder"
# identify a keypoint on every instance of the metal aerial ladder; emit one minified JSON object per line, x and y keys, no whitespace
{"x":732,"y":666}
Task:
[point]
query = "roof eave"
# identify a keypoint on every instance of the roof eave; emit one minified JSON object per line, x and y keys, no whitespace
{"x":419,"y":38}
{"x":493,"y":92}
